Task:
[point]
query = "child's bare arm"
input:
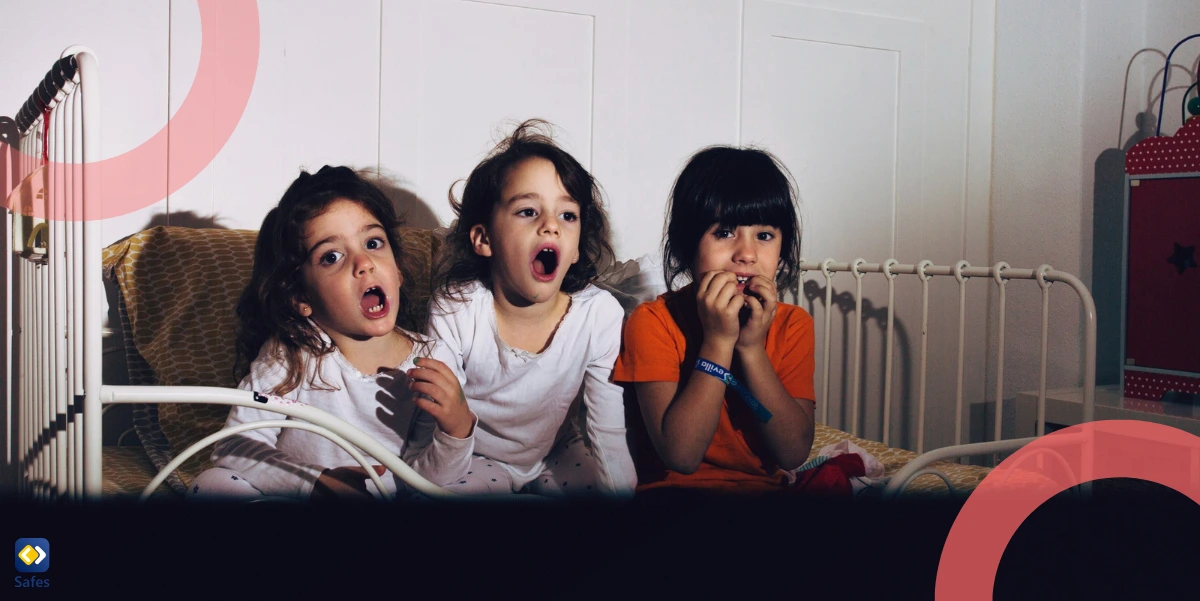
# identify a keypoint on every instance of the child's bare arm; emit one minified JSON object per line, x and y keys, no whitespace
{"x":790,"y":430}
{"x":682,"y":422}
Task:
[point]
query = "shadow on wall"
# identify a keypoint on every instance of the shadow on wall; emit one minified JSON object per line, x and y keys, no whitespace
{"x":1108,"y":214}
{"x":871,"y":398}
{"x":413,"y":211}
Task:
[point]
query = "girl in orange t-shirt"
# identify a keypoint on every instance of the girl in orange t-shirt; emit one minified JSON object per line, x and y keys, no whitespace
{"x":722,"y":371}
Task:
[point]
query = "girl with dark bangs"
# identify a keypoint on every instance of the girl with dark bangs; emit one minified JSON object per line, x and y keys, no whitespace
{"x":520,"y":323}
{"x":721,"y":370}
{"x":317,"y":324}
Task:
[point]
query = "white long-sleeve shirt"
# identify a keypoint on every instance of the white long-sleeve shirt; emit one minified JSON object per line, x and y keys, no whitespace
{"x":522,"y":399}
{"x":288,"y":461}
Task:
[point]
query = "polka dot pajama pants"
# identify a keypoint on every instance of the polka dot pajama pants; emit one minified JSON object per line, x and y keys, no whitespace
{"x":571,"y":471}
{"x":219,"y":484}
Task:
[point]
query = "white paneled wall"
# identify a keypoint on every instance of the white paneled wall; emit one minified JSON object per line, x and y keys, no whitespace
{"x":684,"y":94}
{"x":881,"y":110}
{"x":467,"y":71}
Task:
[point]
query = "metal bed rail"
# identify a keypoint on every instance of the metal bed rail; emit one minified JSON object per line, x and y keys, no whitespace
{"x":1000,"y":275}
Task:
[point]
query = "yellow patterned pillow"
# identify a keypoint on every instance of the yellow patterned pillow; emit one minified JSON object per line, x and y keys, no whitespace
{"x":180,"y":287}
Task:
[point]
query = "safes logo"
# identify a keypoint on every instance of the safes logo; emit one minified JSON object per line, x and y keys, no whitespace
{"x":33,"y":555}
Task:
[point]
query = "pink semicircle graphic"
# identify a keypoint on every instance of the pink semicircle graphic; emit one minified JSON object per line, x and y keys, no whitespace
{"x":1086,"y":452}
{"x":198,"y":131}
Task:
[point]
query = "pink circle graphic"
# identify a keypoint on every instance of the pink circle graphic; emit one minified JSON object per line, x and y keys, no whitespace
{"x":1058,"y":461}
{"x":192,"y":137}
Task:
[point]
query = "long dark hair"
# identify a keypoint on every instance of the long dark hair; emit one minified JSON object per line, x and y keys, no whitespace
{"x":457,"y":263}
{"x":732,"y":187}
{"x":268,"y":308}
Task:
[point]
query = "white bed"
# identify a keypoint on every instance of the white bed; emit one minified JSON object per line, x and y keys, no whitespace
{"x":56,"y":399}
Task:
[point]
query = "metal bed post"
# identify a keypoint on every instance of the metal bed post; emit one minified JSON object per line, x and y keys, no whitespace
{"x":825,"y":269}
{"x":8,"y":312}
{"x":855,"y":392}
{"x":76,"y":245}
{"x":56,"y":257}
{"x":962,"y":331}
{"x":43,"y":375}
{"x":887,"y":370}
{"x":998,"y":277}
{"x":924,"y":277}
{"x":93,"y":287}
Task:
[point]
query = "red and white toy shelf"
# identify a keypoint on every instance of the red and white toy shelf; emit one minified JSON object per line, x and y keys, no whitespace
{"x":1161,"y":300}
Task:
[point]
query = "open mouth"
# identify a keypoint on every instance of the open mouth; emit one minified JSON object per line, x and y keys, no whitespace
{"x":545,"y":263}
{"x":374,"y":303}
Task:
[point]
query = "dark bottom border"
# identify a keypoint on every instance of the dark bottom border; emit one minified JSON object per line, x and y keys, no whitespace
{"x":1137,"y":543}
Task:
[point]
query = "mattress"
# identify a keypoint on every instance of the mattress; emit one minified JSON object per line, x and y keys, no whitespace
{"x":964,"y":477}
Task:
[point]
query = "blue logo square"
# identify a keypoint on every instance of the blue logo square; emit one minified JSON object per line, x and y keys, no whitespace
{"x":32,"y":554}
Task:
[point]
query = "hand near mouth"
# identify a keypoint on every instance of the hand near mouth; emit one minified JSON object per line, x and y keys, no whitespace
{"x":762,"y":302}
{"x":718,"y":302}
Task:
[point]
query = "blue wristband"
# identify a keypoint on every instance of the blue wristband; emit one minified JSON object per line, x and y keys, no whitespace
{"x":723,"y":375}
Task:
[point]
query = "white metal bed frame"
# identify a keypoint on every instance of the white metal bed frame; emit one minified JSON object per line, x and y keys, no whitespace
{"x":1000,"y":273}
{"x":54,"y":347}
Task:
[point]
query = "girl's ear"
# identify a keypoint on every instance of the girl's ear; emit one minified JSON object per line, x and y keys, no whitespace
{"x":480,"y":241}
{"x":302,"y":305}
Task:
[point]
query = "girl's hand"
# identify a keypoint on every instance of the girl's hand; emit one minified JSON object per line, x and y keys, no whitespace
{"x":718,"y":302}
{"x":344,"y":484}
{"x":763,"y":303}
{"x":441,"y":396}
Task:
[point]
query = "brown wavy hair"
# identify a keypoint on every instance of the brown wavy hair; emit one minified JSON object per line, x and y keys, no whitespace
{"x":458,"y":265}
{"x":268,"y":308}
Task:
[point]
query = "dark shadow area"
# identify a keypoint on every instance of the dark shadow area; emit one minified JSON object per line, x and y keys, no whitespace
{"x":413,"y":211}
{"x":188,"y":219}
{"x":761,"y":549}
{"x":1067,"y":549}
{"x":1133,"y":540}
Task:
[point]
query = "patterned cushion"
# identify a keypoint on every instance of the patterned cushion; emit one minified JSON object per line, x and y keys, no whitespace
{"x":179,"y":288}
{"x":127,"y":471}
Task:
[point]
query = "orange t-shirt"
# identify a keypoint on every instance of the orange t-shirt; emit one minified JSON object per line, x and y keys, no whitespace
{"x":661,"y":343}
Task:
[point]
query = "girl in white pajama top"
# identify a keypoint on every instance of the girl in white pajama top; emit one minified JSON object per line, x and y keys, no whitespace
{"x":318,"y":324}
{"x":531,"y":340}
